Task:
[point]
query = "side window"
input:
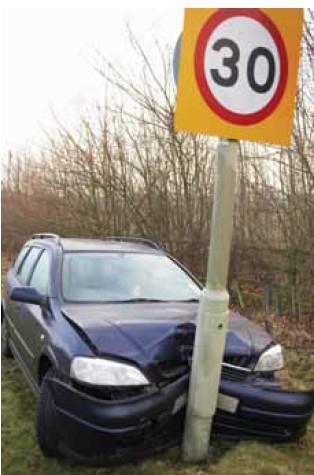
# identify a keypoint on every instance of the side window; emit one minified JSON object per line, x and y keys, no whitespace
{"x":40,"y":276}
{"x":28,"y":264}
{"x":20,"y":258}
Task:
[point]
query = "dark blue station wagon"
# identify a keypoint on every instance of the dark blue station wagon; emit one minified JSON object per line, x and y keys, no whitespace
{"x":103,"y":331}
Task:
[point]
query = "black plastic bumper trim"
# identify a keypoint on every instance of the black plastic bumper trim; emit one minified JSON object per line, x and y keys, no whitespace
{"x":90,"y":425}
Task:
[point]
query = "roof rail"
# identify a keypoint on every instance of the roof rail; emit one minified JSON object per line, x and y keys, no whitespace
{"x":46,"y":236}
{"x":139,"y":240}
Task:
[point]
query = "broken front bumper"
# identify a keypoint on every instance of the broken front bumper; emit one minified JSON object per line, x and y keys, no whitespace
{"x":91,"y":428}
{"x":264,"y":412}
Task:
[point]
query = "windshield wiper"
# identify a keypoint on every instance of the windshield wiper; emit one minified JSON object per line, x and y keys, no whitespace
{"x":139,"y":299}
{"x":188,"y":300}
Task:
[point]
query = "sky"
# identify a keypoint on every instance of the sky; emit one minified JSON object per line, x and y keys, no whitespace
{"x":46,"y":57}
{"x":46,"y":65}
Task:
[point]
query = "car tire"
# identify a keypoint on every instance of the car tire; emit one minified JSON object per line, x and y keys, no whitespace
{"x":5,"y":345}
{"x":47,"y":433}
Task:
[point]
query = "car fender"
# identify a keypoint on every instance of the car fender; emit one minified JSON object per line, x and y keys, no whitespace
{"x":49,"y":353}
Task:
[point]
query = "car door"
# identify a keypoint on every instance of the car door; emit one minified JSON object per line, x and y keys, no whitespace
{"x":11,"y":307}
{"x":33,"y":319}
{"x":16,"y":310}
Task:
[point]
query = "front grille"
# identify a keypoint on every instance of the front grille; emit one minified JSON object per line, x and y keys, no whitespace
{"x":112,"y":394}
{"x":243,"y":361}
{"x":171,"y":370}
{"x":233,"y":374}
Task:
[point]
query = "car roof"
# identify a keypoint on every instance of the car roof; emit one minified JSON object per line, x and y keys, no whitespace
{"x":70,"y":244}
{"x":113,"y":244}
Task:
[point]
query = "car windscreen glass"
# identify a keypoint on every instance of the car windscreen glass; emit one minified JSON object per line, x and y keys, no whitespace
{"x":122,"y":277}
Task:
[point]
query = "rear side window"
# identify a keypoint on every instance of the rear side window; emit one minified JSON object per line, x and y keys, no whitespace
{"x":39,"y":279}
{"x":20,"y":258}
{"x":28,"y":264}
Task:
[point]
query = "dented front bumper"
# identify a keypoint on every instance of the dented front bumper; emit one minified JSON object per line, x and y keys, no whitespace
{"x":91,"y":428}
{"x":264,"y":412}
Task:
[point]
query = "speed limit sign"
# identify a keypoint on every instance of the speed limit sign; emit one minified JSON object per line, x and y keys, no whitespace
{"x":238,"y":72}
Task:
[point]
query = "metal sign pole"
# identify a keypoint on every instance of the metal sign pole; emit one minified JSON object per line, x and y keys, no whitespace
{"x":212,"y":318}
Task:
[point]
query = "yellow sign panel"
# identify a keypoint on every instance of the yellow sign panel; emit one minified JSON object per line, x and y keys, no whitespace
{"x":238,"y":72}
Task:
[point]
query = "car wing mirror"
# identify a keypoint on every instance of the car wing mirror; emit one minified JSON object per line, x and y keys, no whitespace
{"x":28,"y":295}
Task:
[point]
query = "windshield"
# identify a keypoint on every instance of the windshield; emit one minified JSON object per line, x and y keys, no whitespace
{"x":116,"y":277}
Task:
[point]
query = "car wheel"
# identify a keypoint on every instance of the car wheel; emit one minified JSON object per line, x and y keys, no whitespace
{"x":5,"y":346}
{"x":47,"y":433}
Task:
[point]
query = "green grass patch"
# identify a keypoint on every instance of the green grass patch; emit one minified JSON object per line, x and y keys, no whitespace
{"x":21,"y":455}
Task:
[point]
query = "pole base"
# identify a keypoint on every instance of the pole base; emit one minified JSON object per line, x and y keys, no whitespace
{"x":196,"y":439}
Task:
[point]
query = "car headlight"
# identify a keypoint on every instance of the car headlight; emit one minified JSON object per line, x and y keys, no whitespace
{"x":102,"y":372}
{"x":271,"y":359}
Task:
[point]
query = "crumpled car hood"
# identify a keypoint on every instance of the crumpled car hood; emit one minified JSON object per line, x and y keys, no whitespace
{"x":148,"y":332}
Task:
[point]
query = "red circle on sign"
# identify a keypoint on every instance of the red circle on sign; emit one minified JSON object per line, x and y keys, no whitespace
{"x":226,"y":114}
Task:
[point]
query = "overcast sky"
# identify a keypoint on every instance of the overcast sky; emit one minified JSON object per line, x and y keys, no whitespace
{"x":45,"y":62}
{"x":46,"y":56}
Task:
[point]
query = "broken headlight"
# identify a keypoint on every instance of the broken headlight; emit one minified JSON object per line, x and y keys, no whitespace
{"x":270,"y":360}
{"x":102,"y":372}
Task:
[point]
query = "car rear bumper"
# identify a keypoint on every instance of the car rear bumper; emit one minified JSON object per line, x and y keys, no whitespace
{"x":94,"y":429}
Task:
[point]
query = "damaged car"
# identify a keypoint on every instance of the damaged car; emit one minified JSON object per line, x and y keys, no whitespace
{"x":103,"y":331}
